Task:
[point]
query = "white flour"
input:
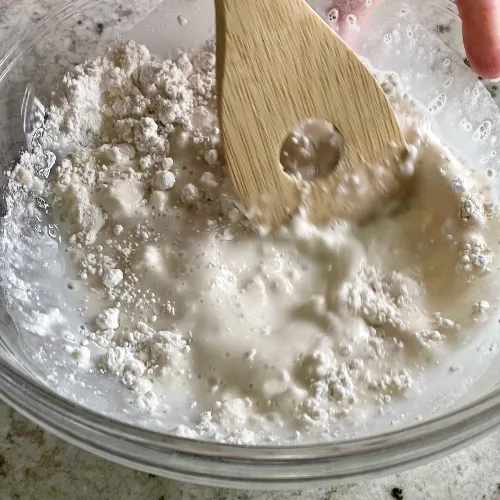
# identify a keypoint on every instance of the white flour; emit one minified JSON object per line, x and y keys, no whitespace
{"x":247,"y":335}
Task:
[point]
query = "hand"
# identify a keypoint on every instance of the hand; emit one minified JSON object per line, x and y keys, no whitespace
{"x":481,"y":31}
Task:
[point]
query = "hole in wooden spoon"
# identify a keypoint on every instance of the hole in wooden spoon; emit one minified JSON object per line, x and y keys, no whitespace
{"x":312,"y":149}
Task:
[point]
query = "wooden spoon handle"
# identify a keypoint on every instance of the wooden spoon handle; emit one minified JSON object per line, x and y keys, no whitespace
{"x":279,"y":64}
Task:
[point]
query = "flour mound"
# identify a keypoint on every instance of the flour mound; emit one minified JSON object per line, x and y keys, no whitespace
{"x":252,"y":338}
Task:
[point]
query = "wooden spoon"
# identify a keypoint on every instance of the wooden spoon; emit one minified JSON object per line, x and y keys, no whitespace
{"x":279,"y":64}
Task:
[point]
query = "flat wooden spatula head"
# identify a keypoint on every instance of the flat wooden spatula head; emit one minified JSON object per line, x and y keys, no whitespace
{"x":279,"y":64}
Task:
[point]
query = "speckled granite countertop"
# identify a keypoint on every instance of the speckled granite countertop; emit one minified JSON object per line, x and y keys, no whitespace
{"x":37,"y":465}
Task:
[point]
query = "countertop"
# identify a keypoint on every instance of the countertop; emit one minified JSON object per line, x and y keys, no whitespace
{"x":36,"y":465}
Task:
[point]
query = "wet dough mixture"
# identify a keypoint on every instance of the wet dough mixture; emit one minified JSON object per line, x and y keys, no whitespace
{"x":247,"y":336}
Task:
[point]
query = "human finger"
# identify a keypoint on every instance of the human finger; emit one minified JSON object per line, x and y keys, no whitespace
{"x":481,"y":33}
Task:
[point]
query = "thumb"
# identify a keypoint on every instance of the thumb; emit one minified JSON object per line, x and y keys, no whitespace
{"x":481,"y":32}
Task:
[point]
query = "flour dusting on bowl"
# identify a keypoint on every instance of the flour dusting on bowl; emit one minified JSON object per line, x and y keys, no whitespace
{"x":304,"y":334}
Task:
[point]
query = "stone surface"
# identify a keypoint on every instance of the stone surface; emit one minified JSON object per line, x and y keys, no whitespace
{"x":37,"y":465}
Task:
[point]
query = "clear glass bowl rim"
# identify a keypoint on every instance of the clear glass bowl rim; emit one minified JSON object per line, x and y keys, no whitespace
{"x":223,"y":464}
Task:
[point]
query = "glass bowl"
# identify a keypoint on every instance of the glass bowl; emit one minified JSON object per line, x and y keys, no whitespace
{"x":420,"y":41}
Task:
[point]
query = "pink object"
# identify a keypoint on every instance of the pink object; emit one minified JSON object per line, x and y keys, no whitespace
{"x":481,"y":32}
